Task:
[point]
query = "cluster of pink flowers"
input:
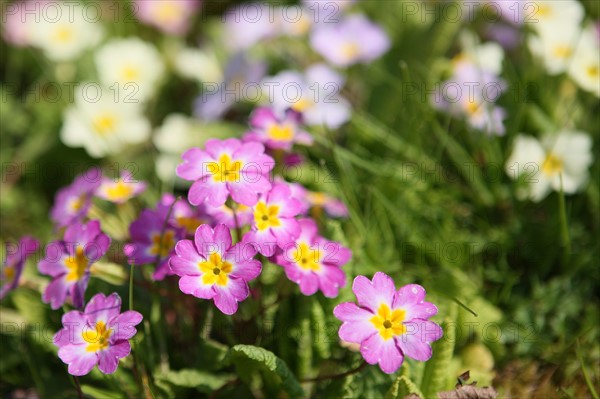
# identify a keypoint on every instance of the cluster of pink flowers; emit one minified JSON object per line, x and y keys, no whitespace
{"x":98,"y":335}
{"x":233,"y":184}
{"x":234,"y":189}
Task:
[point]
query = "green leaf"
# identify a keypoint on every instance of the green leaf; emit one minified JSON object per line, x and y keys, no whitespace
{"x":100,"y":393}
{"x":248,"y":357}
{"x":435,"y":376}
{"x":321,"y":341}
{"x":110,"y":272}
{"x":198,"y":379}
{"x":402,"y":387}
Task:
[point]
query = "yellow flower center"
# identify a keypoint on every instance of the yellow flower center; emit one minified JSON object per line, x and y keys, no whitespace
{"x":266,"y":216}
{"x":77,"y":203}
{"x":130,"y":73}
{"x":9,"y":273}
{"x":593,"y":71}
{"x":167,"y":12}
{"x":543,"y":10}
{"x":388,"y":322}
{"x":163,"y":244}
{"x":189,"y":223}
{"x":76,"y":265}
{"x":97,"y":339}
{"x":562,"y":51}
{"x":104,"y":124}
{"x":552,"y":165}
{"x":472,"y":107}
{"x":307,"y":258}
{"x":350,"y":50}
{"x":119,"y":191}
{"x":302,"y":26}
{"x":215,"y":270}
{"x":302,"y":105}
{"x":63,"y":34}
{"x":280,"y":132}
{"x":317,"y":198}
{"x":225,"y":170}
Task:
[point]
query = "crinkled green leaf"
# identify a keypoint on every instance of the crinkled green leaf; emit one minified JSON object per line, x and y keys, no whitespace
{"x":402,"y":387}
{"x":198,"y":379}
{"x":248,"y":358}
{"x":435,"y":375}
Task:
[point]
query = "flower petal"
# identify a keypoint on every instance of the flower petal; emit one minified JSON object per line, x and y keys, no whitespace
{"x":371,"y":294}
{"x":416,"y":341}
{"x":385,"y":352}
{"x":193,"y":285}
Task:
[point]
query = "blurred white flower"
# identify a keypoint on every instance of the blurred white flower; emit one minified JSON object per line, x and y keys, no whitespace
{"x":559,"y":159}
{"x":103,"y":123}
{"x":545,"y":16}
{"x":200,"y":65}
{"x":177,"y":133}
{"x":134,"y":65}
{"x":584,"y":68}
{"x":487,"y":56}
{"x":62,"y":31}
{"x":555,"y":47}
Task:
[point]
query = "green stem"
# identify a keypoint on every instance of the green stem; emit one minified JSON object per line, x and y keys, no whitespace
{"x":78,"y":387}
{"x":238,"y":230}
{"x":588,"y":381}
{"x":336,"y":376}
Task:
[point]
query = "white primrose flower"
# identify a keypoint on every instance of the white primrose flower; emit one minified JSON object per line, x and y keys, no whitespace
{"x":102,"y":122}
{"x":199,"y":65}
{"x":485,"y":56}
{"x":62,"y":32}
{"x":584,"y":68}
{"x":555,"y":48}
{"x":559,"y":159}
{"x":134,"y":65}
{"x":545,"y":16}
{"x":177,"y":134}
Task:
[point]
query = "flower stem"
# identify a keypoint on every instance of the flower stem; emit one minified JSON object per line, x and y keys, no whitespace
{"x":78,"y":387}
{"x":336,"y":376}
{"x":238,"y":230}
{"x":564,"y":227}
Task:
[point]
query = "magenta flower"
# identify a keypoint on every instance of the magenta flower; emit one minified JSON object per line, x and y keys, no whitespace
{"x":153,"y":240}
{"x":12,"y":267}
{"x":183,"y":215}
{"x":122,"y":189}
{"x":210,"y":268}
{"x":97,"y":336}
{"x":170,"y":16}
{"x":224,"y":215}
{"x":227,"y":167}
{"x":313,"y":262}
{"x":319,"y":201}
{"x":274,"y":224}
{"x":388,"y":324}
{"x":72,"y":203}
{"x":68,"y":263}
{"x":277,"y":132}
{"x":355,"y":39}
